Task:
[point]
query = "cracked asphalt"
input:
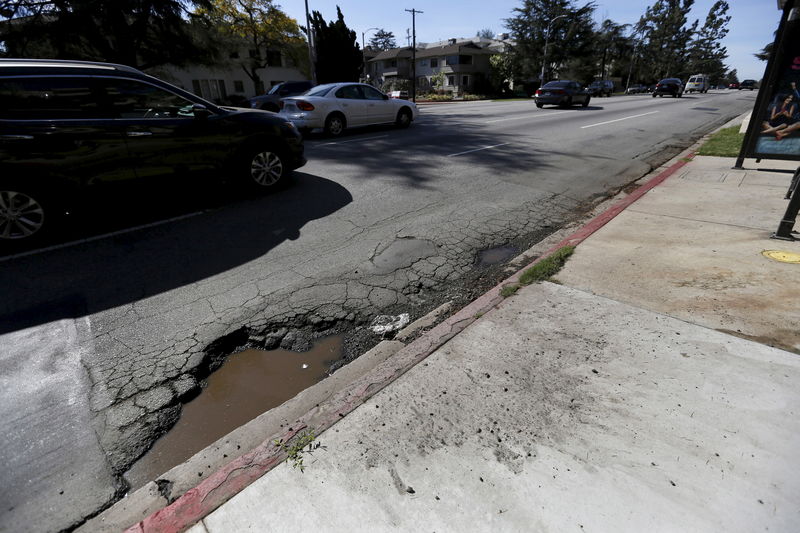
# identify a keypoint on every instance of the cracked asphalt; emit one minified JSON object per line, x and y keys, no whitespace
{"x":379,"y":221}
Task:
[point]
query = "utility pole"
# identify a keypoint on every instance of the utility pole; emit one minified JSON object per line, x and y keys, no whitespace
{"x":414,"y":53}
{"x":546,"y":40}
{"x":311,"y":47}
{"x":363,"y":51}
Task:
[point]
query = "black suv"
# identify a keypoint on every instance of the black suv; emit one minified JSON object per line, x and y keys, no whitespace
{"x":71,"y":127}
{"x":601,"y":87}
{"x":671,"y":86}
{"x":272,"y":100}
{"x":748,"y":84}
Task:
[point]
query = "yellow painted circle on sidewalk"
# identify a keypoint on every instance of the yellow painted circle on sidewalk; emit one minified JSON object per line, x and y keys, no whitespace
{"x":783,"y":257}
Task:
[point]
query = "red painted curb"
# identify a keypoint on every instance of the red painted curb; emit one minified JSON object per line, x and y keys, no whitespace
{"x":234,"y":477}
{"x":606,"y":216}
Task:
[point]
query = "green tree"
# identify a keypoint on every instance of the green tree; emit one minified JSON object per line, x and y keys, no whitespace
{"x":765,"y":52}
{"x":485,"y":33}
{"x":612,"y":45}
{"x":664,"y":38}
{"x":382,"y":40}
{"x":261,"y":28}
{"x":706,"y":54}
{"x":140,"y":33}
{"x":570,"y":37}
{"x":338,"y":55}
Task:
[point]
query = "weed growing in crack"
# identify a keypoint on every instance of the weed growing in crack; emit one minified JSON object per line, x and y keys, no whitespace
{"x":296,"y":450}
{"x":508,"y":290}
{"x":547,"y":267}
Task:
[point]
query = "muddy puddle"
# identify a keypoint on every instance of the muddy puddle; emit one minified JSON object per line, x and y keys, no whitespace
{"x":248,"y":384}
{"x":496,"y":255}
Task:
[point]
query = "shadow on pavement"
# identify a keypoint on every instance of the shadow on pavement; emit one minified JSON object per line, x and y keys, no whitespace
{"x":93,"y":276}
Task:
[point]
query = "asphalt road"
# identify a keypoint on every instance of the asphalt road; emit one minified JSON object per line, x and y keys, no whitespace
{"x":102,"y":337}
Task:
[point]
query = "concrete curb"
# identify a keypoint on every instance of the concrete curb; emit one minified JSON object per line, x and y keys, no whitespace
{"x":228,"y":481}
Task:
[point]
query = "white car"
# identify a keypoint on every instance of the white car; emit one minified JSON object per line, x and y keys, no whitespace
{"x":337,"y":106}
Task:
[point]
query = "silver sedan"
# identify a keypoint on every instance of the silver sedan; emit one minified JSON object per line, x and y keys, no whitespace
{"x":337,"y":106}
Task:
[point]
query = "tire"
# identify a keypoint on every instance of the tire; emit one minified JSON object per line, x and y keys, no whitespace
{"x":263,"y":169}
{"x":335,"y":124}
{"x":654,"y":95}
{"x":26,"y":214}
{"x":403,"y":119}
{"x":680,"y":95}
{"x":540,"y":106}
{"x":586,"y":102}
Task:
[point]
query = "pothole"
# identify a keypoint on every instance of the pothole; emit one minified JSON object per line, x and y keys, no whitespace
{"x":496,"y":255}
{"x":248,"y":384}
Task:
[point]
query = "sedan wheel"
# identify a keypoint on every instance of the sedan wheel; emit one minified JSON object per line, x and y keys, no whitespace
{"x":21,"y":215}
{"x":334,"y":125}
{"x":403,"y":118}
{"x":266,"y":169}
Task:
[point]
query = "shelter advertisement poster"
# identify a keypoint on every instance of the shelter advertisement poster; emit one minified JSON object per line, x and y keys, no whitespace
{"x":777,"y":113}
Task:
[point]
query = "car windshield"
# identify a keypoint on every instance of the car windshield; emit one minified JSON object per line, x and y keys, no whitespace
{"x":320,"y":90}
{"x":555,"y":84}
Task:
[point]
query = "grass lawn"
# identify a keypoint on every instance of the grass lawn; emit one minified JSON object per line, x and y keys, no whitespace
{"x":724,"y":143}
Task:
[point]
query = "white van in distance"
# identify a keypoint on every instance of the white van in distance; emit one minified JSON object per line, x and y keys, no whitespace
{"x":697,"y":83}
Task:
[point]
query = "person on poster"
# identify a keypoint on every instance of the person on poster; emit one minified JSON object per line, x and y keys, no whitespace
{"x":783,"y":117}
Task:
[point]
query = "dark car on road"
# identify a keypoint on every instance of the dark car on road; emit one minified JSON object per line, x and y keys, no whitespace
{"x":600,"y":88}
{"x":636,"y":89}
{"x":272,"y":100}
{"x":563,"y":93}
{"x":70,"y":128}
{"x":748,"y":84}
{"x":670,"y":86}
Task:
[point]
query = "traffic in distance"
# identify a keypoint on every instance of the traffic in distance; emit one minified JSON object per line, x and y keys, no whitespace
{"x":73,"y":133}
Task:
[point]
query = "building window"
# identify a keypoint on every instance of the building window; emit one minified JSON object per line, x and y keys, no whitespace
{"x":273,"y":58}
{"x":459,"y":60}
{"x":393,"y":63}
{"x":238,"y":86}
{"x":451,"y":81}
{"x":434,"y":62}
{"x":465,"y":81}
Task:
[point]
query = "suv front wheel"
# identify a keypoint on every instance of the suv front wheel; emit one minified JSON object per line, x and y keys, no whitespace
{"x":262,"y":169}
{"x":25,"y":214}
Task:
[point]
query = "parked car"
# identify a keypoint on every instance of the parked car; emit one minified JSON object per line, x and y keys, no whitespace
{"x":671,"y":86}
{"x":335,"y":107}
{"x":733,"y":85}
{"x":600,"y":88}
{"x":748,"y":84}
{"x":68,"y":128}
{"x":562,"y":93}
{"x":697,"y":83}
{"x":272,"y":100}
{"x":636,"y":89}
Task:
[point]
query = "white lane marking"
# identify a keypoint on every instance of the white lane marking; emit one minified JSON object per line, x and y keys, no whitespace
{"x":617,"y":120}
{"x":533,"y":115}
{"x":477,"y":149}
{"x":352,"y":140}
{"x":98,"y":237}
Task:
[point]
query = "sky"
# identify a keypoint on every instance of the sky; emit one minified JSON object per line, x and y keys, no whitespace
{"x":751,"y":27}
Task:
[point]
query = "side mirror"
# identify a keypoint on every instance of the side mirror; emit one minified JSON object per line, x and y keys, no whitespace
{"x":200,"y":111}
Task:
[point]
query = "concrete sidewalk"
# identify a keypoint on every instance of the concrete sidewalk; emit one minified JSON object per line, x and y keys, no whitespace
{"x":629,"y":396}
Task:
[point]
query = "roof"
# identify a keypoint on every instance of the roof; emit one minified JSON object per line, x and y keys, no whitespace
{"x":452,"y":49}
{"x":45,"y":66}
{"x":394,"y":53}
